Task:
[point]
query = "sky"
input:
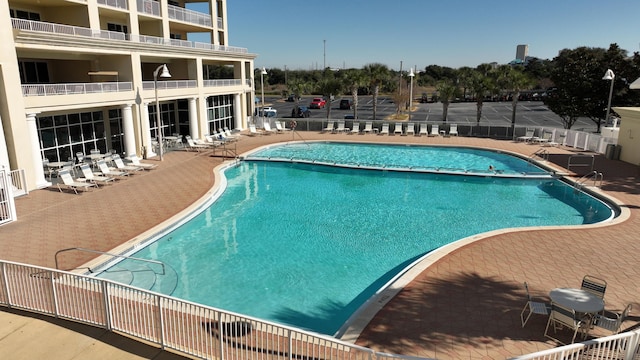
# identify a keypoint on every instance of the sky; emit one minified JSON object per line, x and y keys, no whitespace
{"x":305,"y":35}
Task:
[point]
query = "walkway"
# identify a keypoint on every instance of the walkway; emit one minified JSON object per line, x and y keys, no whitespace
{"x":466,"y":305}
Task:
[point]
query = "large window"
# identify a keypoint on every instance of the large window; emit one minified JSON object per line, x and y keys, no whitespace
{"x":220,"y":113}
{"x":62,"y":136}
{"x":168,"y":115}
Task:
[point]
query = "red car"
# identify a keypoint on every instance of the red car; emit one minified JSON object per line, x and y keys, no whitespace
{"x":317,"y":103}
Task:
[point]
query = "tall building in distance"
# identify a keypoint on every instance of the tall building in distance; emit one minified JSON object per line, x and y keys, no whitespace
{"x":522,"y":51}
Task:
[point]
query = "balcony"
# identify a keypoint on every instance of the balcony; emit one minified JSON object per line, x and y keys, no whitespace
{"x":222,"y":82}
{"x":170,"y":84}
{"x":149,"y":7}
{"x":52,"y":28}
{"x":120,"y":4}
{"x":190,"y":16}
{"x":75,"y":88}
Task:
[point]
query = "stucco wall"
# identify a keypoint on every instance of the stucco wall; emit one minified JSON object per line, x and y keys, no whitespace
{"x":629,"y":137}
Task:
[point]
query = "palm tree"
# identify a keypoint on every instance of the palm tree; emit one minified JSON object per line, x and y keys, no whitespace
{"x":376,"y":74}
{"x":353,"y":80}
{"x":447,"y":91}
{"x":298,"y":87}
{"x":514,"y":80}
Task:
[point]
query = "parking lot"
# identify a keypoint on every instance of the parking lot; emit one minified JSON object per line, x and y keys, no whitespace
{"x":529,"y":113}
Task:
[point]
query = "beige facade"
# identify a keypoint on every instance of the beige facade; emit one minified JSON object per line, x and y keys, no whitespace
{"x":629,"y":135}
{"x":78,"y":75}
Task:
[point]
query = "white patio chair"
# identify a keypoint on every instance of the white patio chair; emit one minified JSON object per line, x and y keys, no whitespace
{"x":355,"y":128}
{"x":562,"y":317}
{"x":411,"y":129}
{"x":397,"y":129}
{"x":424,"y":129}
{"x":435,"y":130}
{"x":533,"y":307}
{"x":453,"y":130}
{"x":594,"y":285}
{"x":611,"y":321}
{"x":384,"y":130}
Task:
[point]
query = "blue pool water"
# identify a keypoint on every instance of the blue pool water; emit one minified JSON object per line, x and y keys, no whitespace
{"x":306,"y":245}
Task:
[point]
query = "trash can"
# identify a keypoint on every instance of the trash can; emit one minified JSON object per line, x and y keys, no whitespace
{"x":609,"y":151}
{"x":616,"y":152}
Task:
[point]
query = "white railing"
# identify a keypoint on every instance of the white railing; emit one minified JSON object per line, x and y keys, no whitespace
{"x":18,"y":181}
{"x":121,"y":4}
{"x":190,"y":16}
{"x":39,"y":26}
{"x":150,"y":7}
{"x":616,"y":347}
{"x":220,"y":23}
{"x":167,"y":322}
{"x":75,"y":88}
{"x":170,"y":84}
{"x":223,"y":82}
{"x":7,"y":206}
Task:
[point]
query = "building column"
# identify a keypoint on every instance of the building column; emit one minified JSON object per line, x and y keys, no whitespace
{"x":194,"y":130}
{"x":145,"y":130}
{"x":129,"y":131}
{"x":38,"y":170}
{"x":237,"y":111}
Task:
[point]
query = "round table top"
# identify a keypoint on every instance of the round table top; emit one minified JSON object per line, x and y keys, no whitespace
{"x":577,"y":299}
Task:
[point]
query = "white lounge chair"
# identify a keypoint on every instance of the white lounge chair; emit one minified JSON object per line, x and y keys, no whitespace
{"x":253,"y":131}
{"x":72,"y":184}
{"x":89,"y":176}
{"x":397,"y":129}
{"x":453,"y":130}
{"x":280,"y":126}
{"x":385,"y":129}
{"x":527,"y":136}
{"x":411,"y":129}
{"x":191,"y":145}
{"x":106,"y":171}
{"x":368,"y":127}
{"x":340,"y":127}
{"x":329,"y":127}
{"x":424,"y":129}
{"x":435,"y":130}
{"x":121,"y":166}
{"x":222,"y":136}
{"x":230,"y":135}
{"x":355,"y":129}
{"x":267,"y":129}
{"x":135,"y":161}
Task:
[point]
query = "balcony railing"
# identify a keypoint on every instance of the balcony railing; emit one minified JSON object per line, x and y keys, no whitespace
{"x":190,"y":16}
{"x":149,"y":7}
{"x":75,"y":88}
{"x":39,"y":26}
{"x":223,"y":82}
{"x":120,"y":4}
{"x":220,"y":23}
{"x":170,"y":84}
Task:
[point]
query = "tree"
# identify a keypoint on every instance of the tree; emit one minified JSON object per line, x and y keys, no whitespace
{"x":377,"y":74}
{"x":513,"y":79}
{"x":298,"y":87}
{"x":352,"y":81}
{"x":329,"y":86}
{"x":447,"y":91}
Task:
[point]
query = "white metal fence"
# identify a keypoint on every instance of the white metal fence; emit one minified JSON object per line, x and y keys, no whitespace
{"x":168,"y":322}
{"x":75,"y":88}
{"x":7,"y":205}
{"x":620,"y":347}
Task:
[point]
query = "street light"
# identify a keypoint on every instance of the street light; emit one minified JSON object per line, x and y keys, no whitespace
{"x":164,"y":74}
{"x":263,"y":72}
{"x":609,"y":75}
{"x":411,"y":75}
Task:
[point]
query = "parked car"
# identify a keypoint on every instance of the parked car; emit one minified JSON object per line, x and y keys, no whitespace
{"x":345,"y":104}
{"x":292,"y":98}
{"x":267,"y":111}
{"x":300,"y":112}
{"x":317,"y":103}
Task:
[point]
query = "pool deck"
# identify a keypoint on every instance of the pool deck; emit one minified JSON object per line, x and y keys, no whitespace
{"x":464,"y":306}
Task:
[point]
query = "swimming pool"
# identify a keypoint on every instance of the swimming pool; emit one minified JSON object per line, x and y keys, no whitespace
{"x":306,"y":244}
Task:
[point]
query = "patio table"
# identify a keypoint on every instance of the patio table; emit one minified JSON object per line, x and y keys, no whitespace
{"x":577,"y":299}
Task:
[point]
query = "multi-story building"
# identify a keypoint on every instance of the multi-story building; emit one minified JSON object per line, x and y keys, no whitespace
{"x":78,"y":75}
{"x":522,"y":52}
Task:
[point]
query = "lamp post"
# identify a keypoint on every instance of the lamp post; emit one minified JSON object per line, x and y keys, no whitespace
{"x":263,"y":72}
{"x":164,"y":74}
{"x":411,"y":75}
{"x":609,"y":75}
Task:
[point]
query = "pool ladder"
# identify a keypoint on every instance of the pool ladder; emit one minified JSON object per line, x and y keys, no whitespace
{"x":542,"y":153}
{"x":594,"y":175}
